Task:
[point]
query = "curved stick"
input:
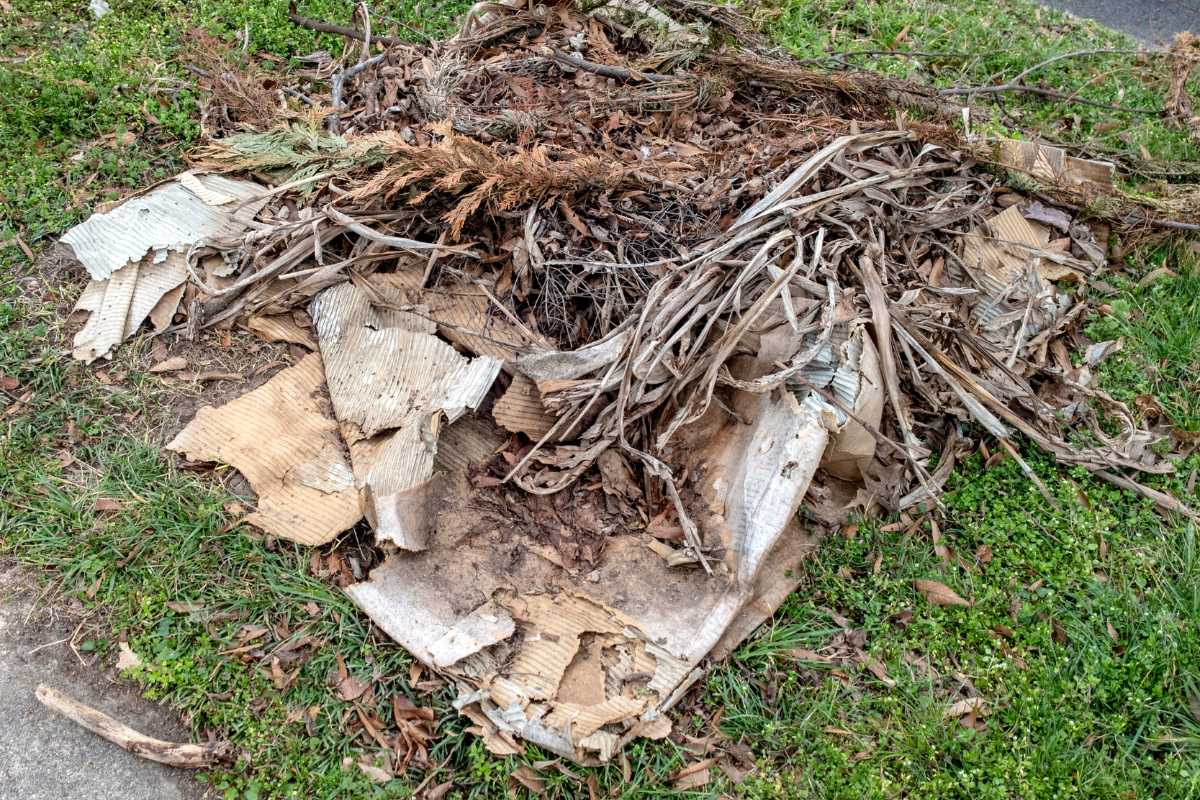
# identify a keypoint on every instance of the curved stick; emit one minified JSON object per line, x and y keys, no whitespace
{"x":188,"y":756}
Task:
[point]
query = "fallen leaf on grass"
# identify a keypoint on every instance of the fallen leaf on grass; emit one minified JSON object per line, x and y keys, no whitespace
{"x":180,"y":607}
{"x":939,"y":593}
{"x":1155,"y":275}
{"x":529,"y":778}
{"x":8,"y":383}
{"x":350,"y":688}
{"x":279,"y":678}
{"x":876,"y":668}
{"x":693,"y":776}
{"x":169,"y":365}
{"x":248,"y":633}
{"x":103,"y":504}
{"x":211,"y":376}
{"x":971,"y":705}
{"x":801,"y":654}
{"x":22,"y":401}
{"x":375,"y":774}
{"x":1057,"y":632}
{"x":126,"y":658}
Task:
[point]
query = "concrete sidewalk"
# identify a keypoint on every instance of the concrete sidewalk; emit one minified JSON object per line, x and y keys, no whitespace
{"x":46,"y":757}
{"x":1154,"y":22}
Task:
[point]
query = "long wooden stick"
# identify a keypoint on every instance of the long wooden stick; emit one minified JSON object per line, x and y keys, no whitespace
{"x":189,"y":756}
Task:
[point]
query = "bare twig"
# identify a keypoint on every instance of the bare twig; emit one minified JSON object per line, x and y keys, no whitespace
{"x":340,"y":30}
{"x":1016,"y":85}
{"x":188,"y":756}
{"x":1051,"y":93}
{"x":606,"y":70}
{"x":398,"y":242}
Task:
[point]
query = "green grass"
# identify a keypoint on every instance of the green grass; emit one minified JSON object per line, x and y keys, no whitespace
{"x":986,"y":42}
{"x":92,"y":108}
{"x":1083,"y":715}
{"x":1072,"y":711}
{"x":1160,"y":323}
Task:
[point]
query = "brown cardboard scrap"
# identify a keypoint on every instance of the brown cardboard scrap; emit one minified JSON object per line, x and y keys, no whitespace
{"x":1010,"y":263}
{"x":118,"y":305}
{"x":592,"y":661}
{"x":1053,"y":165}
{"x":1001,"y":253}
{"x":385,"y":378}
{"x":281,"y":328}
{"x":520,"y":409}
{"x":463,"y":313}
{"x":163,"y":313}
{"x":282,"y":438}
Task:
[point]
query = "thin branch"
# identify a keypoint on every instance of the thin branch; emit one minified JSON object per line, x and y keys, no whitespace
{"x":398,"y":242}
{"x":339,"y":30}
{"x":1073,"y":54}
{"x":606,"y":70}
{"x":897,"y":53}
{"x":1051,"y":93}
{"x":1016,"y":85}
{"x":190,"y":756}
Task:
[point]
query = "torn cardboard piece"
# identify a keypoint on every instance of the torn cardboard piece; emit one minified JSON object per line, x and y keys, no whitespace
{"x":281,"y":328}
{"x":593,"y":660}
{"x":463,"y":313}
{"x":136,"y":253}
{"x":386,"y":378}
{"x":1052,"y":165}
{"x":169,"y":217}
{"x":117,"y":306}
{"x":852,"y":448}
{"x":1001,"y":252}
{"x":1009,"y":263}
{"x":283,"y":439}
{"x":520,"y":409}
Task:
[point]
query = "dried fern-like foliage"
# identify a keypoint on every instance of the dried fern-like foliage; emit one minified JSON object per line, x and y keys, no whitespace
{"x":477,"y":174}
{"x":382,"y":167}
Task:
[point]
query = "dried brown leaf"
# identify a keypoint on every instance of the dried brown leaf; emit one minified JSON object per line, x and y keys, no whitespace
{"x":350,"y":688}
{"x":971,"y":705}
{"x":173,"y":364}
{"x":529,"y":778}
{"x":939,"y":593}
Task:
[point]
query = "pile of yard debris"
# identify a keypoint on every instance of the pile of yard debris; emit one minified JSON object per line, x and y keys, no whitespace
{"x":608,"y":320}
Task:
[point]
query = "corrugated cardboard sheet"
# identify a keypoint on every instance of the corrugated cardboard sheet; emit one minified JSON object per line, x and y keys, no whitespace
{"x":169,"y":217}
{"x":1053,"y":165}
{"x":283,"y":439}
{"x":385,"y":378}
{"x":118,"y":306}
{"x":136,"y":253}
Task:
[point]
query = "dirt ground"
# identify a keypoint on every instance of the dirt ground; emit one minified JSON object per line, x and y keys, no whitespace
{"x":46,"y":757}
